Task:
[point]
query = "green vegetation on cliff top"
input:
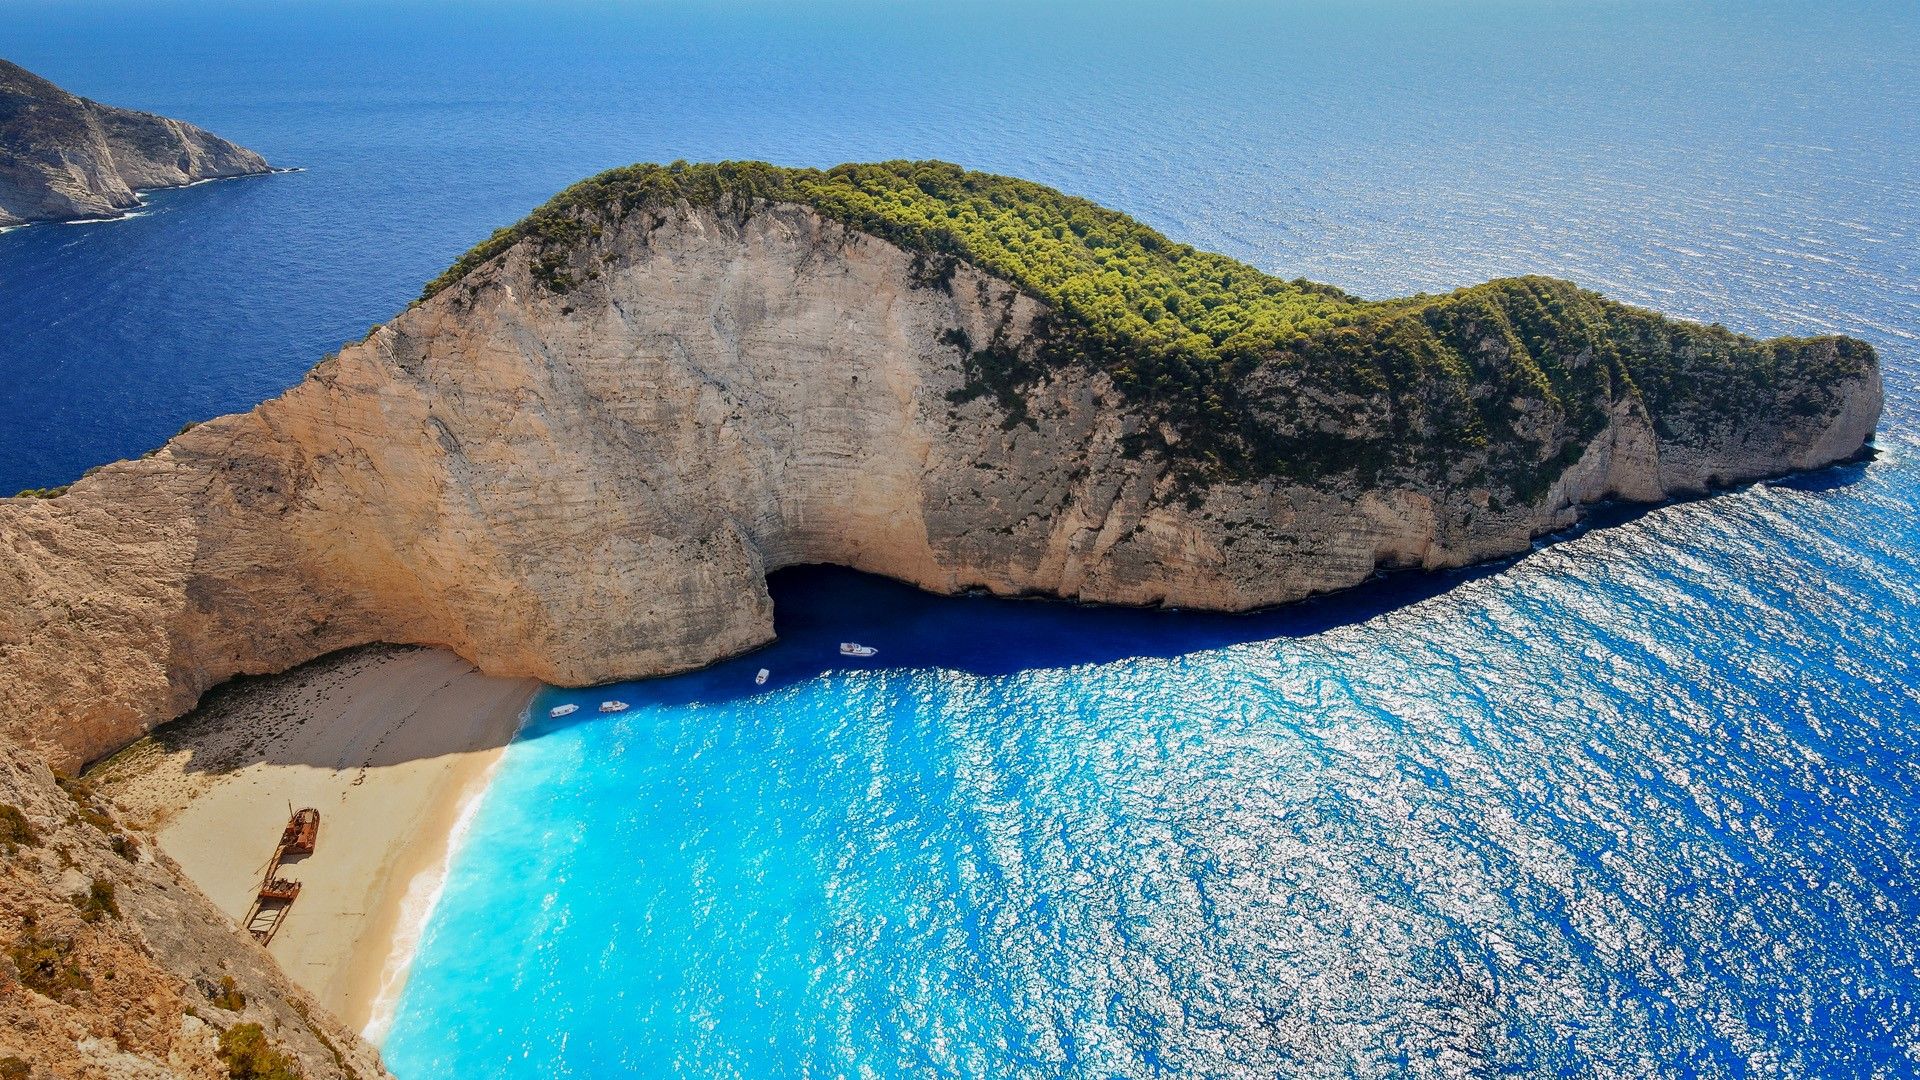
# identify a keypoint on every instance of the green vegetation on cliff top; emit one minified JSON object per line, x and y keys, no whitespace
{"x":1098,"y":265}
{"x":1497,"y":385}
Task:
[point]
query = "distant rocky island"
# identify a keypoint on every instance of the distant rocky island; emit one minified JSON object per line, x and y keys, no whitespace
{"x":65,"y":158}
{"x":578,"y":456}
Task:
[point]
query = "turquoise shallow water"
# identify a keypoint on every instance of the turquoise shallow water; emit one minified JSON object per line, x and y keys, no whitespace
{"x":1614,"y":810}
{"x":1641,"y":804}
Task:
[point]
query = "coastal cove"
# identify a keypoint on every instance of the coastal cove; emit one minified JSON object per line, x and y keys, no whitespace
{"x":954,"y":379}
{"x":391,"y":745}
{"x":399,"y":745}
{"x":1634,"y":796}
{"x":1101,"y":832}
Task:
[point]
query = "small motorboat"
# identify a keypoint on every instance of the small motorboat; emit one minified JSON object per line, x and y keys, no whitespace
{"x":854,"y":648}
{"x":614,"y":706}
{"x":761,"y":679}
{"x":563,"y":710}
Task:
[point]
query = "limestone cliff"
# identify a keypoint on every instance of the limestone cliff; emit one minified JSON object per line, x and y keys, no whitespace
{"x":578,"y":459}
{"x":63,"y":157}
{"x":115,"y":967}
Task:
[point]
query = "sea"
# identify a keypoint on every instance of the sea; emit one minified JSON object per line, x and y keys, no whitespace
{"x":1642,"y":803}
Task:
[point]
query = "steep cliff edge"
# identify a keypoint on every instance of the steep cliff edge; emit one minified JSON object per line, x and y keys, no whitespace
{"x":111,"y":965}
{"x":64,"y":157}
{"x":580,"y":454}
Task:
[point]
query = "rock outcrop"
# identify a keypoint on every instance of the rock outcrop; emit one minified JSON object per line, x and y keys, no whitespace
{"x":115,"y":967}
{"x":580,"y":462}
{"x":64,"y":157}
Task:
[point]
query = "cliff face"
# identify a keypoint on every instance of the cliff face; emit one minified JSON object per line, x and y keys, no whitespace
{"x":63,"y":157}
{"x":592,"y":484}
{"x":114,"y":967}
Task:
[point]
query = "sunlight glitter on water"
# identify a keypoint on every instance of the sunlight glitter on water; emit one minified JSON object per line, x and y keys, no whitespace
{"x":1529,"y":822}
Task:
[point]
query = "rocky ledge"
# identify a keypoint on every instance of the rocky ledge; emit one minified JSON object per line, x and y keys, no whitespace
{"x":578,"y":457}
{"x":64,"y":158}
{"x":115,"y":967}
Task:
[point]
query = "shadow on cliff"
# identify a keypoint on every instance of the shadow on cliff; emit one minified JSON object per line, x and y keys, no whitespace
{"x":818,"y":607}
{"x":251,"y":720}
{"x":1833,"y":477}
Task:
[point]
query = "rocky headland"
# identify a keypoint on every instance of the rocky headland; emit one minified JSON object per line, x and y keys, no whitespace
{"x":64,"y":158}
{"x":578,"y":456}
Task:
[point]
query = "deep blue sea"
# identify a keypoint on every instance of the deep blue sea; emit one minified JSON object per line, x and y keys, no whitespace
{"x":1644,"y":803}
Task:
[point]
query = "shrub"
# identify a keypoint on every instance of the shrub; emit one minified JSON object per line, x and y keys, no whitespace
{"x":125,"y":845}
{"x":46,"y":965}
{"x":97,"y":902}
{"x":228,"y":995}
{"x":15,"y":829}
{"x":248,"y":1055}
{"x":90,"y":809}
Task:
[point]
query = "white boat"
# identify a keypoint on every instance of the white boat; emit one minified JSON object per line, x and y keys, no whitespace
{"x":854,"y":648}
{"x":613,"y":706}
{"x":761,"y":679}
{"x":563,"y":710}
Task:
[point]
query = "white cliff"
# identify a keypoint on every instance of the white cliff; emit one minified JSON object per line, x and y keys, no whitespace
{"x":593,"y":484}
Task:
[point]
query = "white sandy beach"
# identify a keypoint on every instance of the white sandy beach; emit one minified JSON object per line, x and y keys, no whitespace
{"x":389,"y":744}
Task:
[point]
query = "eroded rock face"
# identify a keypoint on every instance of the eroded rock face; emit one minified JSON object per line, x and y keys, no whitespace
{"x":593,"y":485}
{"x":114,"y":966}
{"x":64,"y":157}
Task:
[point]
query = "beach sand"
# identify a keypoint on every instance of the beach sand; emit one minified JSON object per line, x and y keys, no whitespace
{"x":390,"y":744}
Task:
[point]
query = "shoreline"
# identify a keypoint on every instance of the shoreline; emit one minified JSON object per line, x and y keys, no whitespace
{"x":138,"y":209}
{"x":379,"y":976}
{"x":395,"y":746}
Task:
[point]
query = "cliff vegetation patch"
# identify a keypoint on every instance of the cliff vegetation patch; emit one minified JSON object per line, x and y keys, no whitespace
{"x":1497,"y":385}
{"x":46,"y":966}
{"x":248,"y":1055}
{"x":15,"y":830}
